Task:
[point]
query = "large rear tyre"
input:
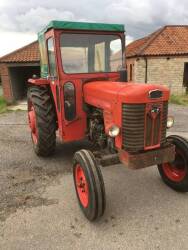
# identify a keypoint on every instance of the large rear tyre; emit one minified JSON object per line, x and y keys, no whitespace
{"x":42,"y":120}
{"x":175,"y":174}
{"x":89,"y":185}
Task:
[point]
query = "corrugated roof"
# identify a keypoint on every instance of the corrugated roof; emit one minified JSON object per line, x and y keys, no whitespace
{"x":28,"y":53}
{"x":169,"y":40}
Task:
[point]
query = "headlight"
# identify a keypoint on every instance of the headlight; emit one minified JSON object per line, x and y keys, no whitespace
{"x":170,"y":122}
{"x":114,"y":131}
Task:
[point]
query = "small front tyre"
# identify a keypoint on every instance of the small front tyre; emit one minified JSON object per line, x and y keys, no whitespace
{"x":175,"y":174}
{"x":89,"y":185}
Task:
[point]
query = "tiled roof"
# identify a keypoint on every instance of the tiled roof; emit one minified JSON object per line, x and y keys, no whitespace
{"x":169,"y":40}
{"x":28,"y":53}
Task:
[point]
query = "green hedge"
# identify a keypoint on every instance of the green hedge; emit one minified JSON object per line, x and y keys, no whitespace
{"x":3,"y":105}
{"x":179,"y":99}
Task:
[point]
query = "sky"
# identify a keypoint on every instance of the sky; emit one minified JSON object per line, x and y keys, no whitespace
{"x":20,"y":20}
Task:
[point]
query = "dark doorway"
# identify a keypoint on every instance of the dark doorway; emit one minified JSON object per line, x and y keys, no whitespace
{"x":131,"y":72}
{"x":185,"y":76}
{"x":19,"y":76}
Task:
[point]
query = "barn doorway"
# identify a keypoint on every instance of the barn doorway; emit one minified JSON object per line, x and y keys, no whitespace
{"x":18,"y":77}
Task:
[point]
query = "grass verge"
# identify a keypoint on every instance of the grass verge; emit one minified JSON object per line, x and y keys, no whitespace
{"x":3,"y":105}
{"x":179,"y":99}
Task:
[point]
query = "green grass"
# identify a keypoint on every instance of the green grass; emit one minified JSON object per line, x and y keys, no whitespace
{"x":3,"y":105}
{"x":179,"y":99}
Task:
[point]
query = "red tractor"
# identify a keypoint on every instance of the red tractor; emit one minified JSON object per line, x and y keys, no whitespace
{"x":83,"y":93}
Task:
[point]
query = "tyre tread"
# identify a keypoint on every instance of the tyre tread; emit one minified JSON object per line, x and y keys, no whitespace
{"x":46,"y":120}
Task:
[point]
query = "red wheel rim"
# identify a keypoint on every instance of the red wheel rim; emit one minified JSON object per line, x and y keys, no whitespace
{"x":81,"y":186}
{"x":176,"y":170}
{"x":33,"y":124}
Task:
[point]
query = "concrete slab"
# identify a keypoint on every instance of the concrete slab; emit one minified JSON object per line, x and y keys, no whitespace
{"x":21,"y":105}
{"x":142,"y":213}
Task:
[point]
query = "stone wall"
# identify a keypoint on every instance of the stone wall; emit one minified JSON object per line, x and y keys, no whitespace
{"x":167,"y":71}
{"x":140,"y":68}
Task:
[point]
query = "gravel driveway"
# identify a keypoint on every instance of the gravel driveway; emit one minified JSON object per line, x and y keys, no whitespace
{"x":39,"y":210}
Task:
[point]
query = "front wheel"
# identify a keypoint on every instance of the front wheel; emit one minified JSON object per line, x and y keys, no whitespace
{"x":89,"y":185}
{"x":175,"y":174}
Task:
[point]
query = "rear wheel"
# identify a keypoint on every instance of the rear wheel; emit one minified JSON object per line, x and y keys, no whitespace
{"x":89,"y":185}
{"x":42,"y":122}
{"x":175,"y":174}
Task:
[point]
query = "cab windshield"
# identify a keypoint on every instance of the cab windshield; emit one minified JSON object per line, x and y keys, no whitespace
{"x":91,"y":53}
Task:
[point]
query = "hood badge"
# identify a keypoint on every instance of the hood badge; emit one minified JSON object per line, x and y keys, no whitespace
{"x":153,"y":110}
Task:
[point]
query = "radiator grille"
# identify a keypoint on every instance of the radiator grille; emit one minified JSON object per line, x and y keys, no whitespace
{"x":135,"y":121}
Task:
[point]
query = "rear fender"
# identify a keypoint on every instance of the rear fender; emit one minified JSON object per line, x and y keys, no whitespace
{"x":38,"y":81}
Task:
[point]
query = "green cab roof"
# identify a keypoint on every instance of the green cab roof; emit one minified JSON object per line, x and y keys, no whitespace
{"x":83,"y":26}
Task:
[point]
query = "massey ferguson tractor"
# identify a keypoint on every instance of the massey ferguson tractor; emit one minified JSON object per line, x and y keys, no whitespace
{"x":83,"y":93}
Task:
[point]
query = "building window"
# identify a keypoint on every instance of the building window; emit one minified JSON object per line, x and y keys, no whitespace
{"x":185,"y":75}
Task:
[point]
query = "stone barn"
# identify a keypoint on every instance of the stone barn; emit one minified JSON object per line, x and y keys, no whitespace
{"x":161,"y":57}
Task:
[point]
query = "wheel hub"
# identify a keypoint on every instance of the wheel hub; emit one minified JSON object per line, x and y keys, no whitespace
{"x":176,"y":170}
{"x":32,"y":124}
{"x":81,"y":185}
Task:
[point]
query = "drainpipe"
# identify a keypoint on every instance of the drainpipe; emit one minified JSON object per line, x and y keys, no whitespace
{"x":146,"y":69}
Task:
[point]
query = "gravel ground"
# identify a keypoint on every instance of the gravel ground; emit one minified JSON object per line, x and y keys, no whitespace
{"x":180,"y":114}
{"x":24,"y":176}
{"x":38,"y":206}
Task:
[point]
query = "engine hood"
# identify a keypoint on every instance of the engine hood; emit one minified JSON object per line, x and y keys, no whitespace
{"x":106,"y":94}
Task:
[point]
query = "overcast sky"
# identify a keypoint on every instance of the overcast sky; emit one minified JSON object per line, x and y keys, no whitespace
{"x":20,"y":20}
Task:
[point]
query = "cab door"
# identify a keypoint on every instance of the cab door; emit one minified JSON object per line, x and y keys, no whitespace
{"x":74,"y":117}
{"x":67,"y":96}
{"x":54,"y":78}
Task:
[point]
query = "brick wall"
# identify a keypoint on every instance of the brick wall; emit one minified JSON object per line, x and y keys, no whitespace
{"x":163,"y":71}
{"x":7,"y":91}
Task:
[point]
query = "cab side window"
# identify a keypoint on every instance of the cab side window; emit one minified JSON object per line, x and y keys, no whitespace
{"x":51,"y":57}
{"x":69,"y":101}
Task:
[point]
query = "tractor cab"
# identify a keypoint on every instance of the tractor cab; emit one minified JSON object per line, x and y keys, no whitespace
{"x":82,"y":50}
{"x":73,"y":54}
